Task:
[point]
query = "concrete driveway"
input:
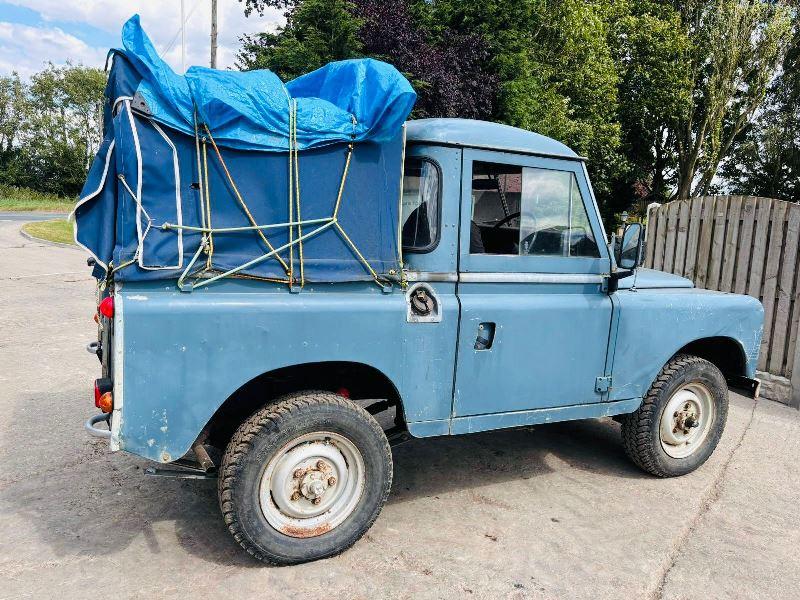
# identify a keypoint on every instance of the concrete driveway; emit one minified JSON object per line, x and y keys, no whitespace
{"x":548,"y":512}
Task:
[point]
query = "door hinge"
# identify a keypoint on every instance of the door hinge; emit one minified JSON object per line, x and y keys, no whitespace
{"x":602,"y":384}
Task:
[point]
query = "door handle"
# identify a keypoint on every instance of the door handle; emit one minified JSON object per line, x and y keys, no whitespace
{"x":485,"y":336}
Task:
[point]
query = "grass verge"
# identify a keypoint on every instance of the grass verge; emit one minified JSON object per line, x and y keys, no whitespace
{"x":57,"y":230}
{"x":16,"y":199}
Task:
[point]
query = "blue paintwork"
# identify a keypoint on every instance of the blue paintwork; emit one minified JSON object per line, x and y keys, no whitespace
{"x":650,"y":278}
{"x":549,"y":346}
{"x":468,"y":133}
{"x":444,"y":257}
{"x":185,"y":354}
{"x":656,"y":323}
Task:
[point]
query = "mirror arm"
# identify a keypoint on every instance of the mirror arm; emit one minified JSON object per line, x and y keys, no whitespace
{"x":613,"y":279}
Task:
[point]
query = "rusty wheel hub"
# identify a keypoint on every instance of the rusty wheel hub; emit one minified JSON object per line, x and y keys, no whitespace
{"x":687,"y":419}
{"x":312,"y":484}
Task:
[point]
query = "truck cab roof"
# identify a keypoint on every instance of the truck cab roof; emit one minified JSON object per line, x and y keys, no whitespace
{"x":483,"y":134}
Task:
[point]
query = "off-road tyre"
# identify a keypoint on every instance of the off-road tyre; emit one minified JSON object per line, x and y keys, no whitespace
{"x":265,"y":433}
{"x":641,"y":429}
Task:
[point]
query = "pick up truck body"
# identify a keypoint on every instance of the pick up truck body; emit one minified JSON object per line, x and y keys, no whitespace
{"x":513,"y":340}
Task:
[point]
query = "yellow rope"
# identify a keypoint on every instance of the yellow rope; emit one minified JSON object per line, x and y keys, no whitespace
{"x":123,"y":265}
{"x":297,"y":191}
{"x":341,"y":184}
{"x":355,"y":249}
{"x":255,"y":277}
{"x":291,"y":199}
{"x":242,"y":202}
{"x":210,"y":248}
{"x":294,"y":202}
{"x":199,"y":173}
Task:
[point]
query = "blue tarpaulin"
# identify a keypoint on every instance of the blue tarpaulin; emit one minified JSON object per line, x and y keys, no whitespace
{"x":153,"y":182}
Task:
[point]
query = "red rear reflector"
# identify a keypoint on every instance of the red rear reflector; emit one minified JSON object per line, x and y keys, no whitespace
{"x":106,"y":307}
{"x":97,"y":395}
{"x":343,"y":392}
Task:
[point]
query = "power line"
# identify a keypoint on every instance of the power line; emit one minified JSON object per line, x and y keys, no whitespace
{"x":180,"y":30}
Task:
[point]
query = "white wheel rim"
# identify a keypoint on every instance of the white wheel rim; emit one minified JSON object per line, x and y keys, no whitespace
{"x":686,"y":420}
{"x":312,"y":484}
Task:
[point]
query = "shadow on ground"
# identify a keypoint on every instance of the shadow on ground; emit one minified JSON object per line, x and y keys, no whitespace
{"x":101,"y":506}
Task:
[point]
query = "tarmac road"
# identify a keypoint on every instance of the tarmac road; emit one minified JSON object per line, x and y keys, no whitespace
{"x":553,"y":511}
{"x":30,"y":216}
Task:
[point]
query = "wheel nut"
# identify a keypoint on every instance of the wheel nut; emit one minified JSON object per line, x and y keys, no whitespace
{"x":317,"y":500}
{"x":295,"y":496}
{"x":320,"y":464}
{"x":331,"y":480}
{"x":298,"y":473}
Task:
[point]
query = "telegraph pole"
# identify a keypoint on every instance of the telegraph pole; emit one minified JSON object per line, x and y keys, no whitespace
{"x":213,"y":34}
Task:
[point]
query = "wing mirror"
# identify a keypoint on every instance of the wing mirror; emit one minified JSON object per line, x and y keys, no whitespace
{"x":629,"y":251}
{"x":628,"y":255}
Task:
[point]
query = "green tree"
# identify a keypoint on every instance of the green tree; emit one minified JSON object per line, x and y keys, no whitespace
{"x":766,"y":159}
{"x":50,"y":128}
{"x":12,"y":110}
{"x":655,"y":95}
{"x":736,"y":48}
{"x":556,"y":71}
{"x":316,"y":32}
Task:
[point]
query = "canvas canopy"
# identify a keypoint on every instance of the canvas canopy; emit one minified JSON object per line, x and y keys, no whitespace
{"x":235,"y":173}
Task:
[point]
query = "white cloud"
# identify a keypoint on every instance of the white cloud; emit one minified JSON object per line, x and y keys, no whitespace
{"x":27,"y":49}
{"x":160,"y":19}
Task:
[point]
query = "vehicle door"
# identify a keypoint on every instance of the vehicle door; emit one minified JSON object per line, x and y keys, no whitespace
{"x":535,"y":320}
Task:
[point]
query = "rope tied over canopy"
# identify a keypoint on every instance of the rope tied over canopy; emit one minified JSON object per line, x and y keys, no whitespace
{"x":294,"y":270}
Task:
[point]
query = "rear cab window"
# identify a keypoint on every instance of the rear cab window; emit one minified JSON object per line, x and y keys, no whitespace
{"x":421,"y":209}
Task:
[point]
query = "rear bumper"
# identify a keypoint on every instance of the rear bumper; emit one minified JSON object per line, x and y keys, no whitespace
{"x":749,"y":386}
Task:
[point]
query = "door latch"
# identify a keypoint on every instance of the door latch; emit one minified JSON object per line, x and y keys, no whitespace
{"x":485,"y":336}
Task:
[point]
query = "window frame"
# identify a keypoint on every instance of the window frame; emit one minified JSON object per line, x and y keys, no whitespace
{"x":435,"y":242}
{"x":514,"y":263}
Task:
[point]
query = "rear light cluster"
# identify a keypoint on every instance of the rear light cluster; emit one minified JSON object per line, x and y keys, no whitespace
{"x":103,"y":398}
{"x":106,"y":307}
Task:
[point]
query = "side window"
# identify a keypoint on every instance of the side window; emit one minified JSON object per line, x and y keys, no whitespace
{"x":528,"y":211}
{"x":420,"y":206}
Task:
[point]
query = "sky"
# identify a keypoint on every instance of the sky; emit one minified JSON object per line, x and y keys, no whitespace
{"x":33,"y":32}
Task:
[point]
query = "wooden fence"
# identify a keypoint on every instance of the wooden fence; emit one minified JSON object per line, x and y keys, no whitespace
{"x":744,"y":245}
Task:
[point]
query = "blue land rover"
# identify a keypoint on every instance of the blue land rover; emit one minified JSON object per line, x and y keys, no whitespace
{"x":444,"y":277}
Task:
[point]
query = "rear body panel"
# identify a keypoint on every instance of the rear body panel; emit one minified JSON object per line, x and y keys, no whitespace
{"x":185,"y":354}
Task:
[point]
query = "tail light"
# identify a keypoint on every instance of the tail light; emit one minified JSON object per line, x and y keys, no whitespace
{"x":103,"y":398}
{"x":106,"y":307}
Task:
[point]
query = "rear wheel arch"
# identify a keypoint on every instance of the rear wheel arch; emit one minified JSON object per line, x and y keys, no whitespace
{"x":366,"y":385}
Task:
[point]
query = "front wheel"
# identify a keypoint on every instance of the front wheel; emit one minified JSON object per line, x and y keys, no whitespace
{"x":304,"y":478}
{"x":680,"y":420}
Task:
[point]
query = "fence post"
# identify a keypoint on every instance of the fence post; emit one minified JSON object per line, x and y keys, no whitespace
{"x":795,"y":380}
{"x":650,"y":208}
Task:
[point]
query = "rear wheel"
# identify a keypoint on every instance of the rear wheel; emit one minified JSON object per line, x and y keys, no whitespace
{"x":304,"y":478}
{"x":681,"y":419}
